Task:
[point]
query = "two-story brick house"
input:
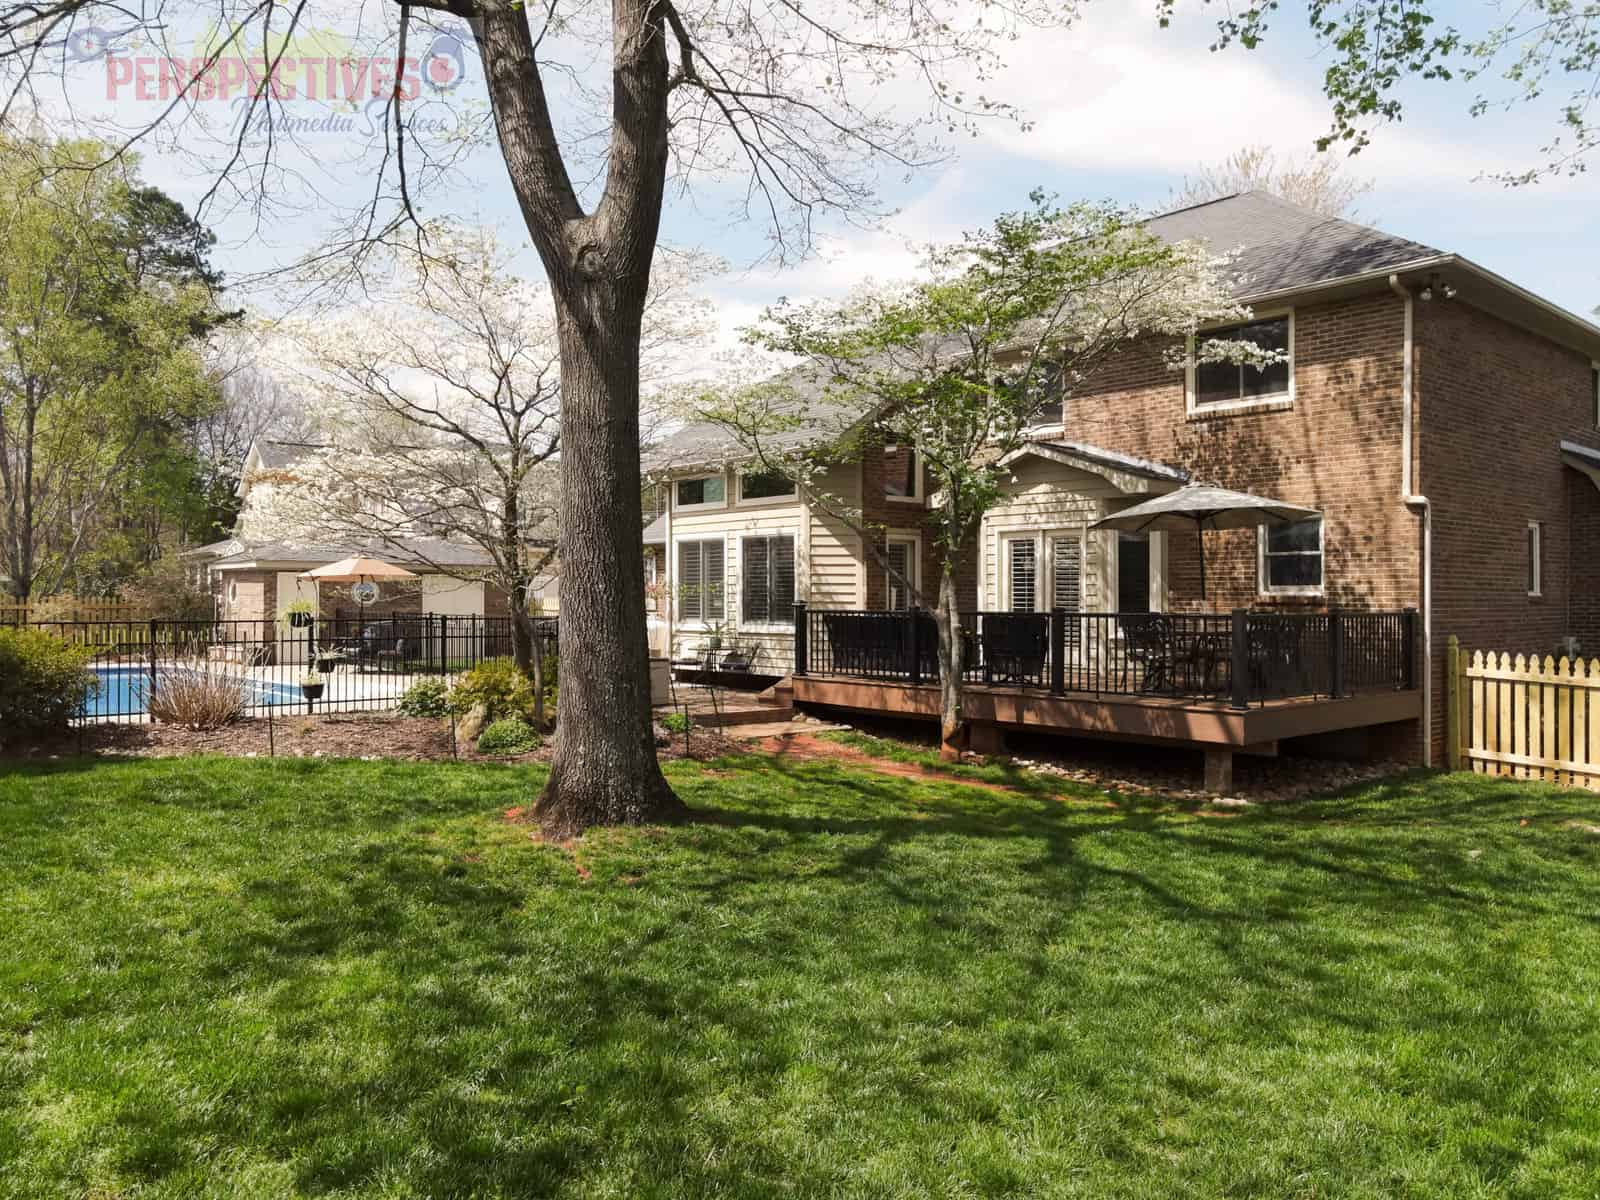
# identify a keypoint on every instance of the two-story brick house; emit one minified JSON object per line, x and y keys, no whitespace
{"x":1444,"y":422}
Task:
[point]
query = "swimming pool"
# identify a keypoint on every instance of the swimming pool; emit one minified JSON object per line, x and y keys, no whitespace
{"x":123,"y":690}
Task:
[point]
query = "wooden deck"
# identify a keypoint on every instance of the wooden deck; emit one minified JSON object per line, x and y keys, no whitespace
{"x":1203,"y":724}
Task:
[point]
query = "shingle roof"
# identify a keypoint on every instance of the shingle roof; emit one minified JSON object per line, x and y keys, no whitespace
{"x":1131,"y":463}
{"x":275,"y":455}
{"x":1280,"y":246}
{"x":409,"y":551}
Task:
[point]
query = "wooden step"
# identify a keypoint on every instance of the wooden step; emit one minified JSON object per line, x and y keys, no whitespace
{"x":766,"y":714}
{"x":780,"y":693}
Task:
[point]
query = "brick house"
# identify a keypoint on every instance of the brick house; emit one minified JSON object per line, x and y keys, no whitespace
{"x":1444,"y":422}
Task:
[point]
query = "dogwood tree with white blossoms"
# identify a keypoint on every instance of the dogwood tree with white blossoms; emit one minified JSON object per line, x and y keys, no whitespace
{"x":440,"y":398}
{"x":958,"y":365}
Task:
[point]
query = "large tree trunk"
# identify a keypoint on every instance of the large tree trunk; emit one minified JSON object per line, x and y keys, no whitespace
{"x":604,"y":770}
{"x":951,"y":735}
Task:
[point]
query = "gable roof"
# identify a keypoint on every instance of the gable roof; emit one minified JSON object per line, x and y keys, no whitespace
{"x":1279,"y":246}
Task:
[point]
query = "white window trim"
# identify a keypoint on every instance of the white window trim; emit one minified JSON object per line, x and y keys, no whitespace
{"x":698,"y":625}
{"x":737,"y":618}
{"x":910,"y":538}
{"x":1258,"y":403}
{"x":919,"y":482}
{"x":1262,"y":587}
{"x":1036,"y":536}
{"x":762,"y":501}
{"x":707,"y":505}
{"x":1536,"y":528}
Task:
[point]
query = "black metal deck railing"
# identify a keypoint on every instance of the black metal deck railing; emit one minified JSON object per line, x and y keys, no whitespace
{"x":1241,"y":658}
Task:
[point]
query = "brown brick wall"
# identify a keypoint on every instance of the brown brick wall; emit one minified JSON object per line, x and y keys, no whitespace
{"x":1494,"y":401}
{"x":1335,"y":449}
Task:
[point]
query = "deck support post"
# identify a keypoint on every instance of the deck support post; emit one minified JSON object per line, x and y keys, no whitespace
{"x":1219,"y":772}
{"x":800,"y":629}
{"x":984,"y":737}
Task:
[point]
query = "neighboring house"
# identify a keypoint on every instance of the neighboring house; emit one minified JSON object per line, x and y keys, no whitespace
{"x":1444,"y":422}
{"x":255,"y":575}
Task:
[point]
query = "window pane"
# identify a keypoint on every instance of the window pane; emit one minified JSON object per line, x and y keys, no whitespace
{"x":781,"y":555}
{"x":764,"y":484}
{"x":1215,"y":382}
{"x":1302,"y":535}
{"x":1024,"y":576}
{"x":899,"y":558}
{"x":1294,"y":570}
{"x":689,"y":595}
{"x":899,"y":471}
{"x":701,"y":491}
{"x":756,"y":580}
{"x":1133,"y":572}
{"x":715,"y":580}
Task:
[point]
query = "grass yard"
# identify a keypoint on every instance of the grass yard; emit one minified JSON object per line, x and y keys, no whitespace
{"x":295,"y":978}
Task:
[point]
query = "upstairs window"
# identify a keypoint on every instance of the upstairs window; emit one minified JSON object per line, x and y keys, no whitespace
{"x":767,"y":580}
{"x":1224,"y":383}
{"x":700,"y":580}
{"x":1291,"y":557}
{"x":901,"y":478}
{"x":765,"y":485}
{"x":697,"y":492}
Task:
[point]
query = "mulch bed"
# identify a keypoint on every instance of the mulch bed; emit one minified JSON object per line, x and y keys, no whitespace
{"x":365,"y":735}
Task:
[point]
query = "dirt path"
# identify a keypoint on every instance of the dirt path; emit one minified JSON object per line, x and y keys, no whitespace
{"x":802,"y":747}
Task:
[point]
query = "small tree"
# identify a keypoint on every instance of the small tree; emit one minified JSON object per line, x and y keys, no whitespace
{"x":1318,"y":181}
{"x":957,"y":365}
{"x":442,"y":400}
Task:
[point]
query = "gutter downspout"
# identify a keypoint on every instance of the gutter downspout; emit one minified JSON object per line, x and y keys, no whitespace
{"x":1423,"y":508}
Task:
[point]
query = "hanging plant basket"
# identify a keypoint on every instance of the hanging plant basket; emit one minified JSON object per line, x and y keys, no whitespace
{"x":312,"y":691}
{"x":300,"y":620}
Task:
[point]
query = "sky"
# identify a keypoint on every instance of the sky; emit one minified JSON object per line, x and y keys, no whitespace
{"x":1119,"y":109}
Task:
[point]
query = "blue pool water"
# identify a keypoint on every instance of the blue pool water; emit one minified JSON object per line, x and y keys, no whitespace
{"x":122,"y":692}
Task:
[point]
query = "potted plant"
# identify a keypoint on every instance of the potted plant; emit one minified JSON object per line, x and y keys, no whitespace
{"x":311,"y":685}
{"x":300,"y":613}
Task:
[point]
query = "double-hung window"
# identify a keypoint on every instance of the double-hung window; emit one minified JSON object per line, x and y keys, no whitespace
{"x":766,"y":574}
{"x":1291,"y":557}
{"x":1223,"y":384}
{"x":902,"y":477}
{"x":700,"y":580}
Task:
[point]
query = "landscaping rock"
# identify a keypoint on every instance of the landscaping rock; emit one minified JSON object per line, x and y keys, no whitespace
{"x":472,"y":724}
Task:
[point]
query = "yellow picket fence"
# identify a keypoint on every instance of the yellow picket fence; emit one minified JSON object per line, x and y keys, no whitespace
{"x":1524,"y":716}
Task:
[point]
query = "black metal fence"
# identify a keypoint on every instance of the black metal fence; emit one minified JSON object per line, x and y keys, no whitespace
{"x":315,"y":665}
{"x":1242,"y":658}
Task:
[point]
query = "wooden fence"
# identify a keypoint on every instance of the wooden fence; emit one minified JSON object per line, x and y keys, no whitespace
{"x":68,"y":609}
{"x":1525,"y":717}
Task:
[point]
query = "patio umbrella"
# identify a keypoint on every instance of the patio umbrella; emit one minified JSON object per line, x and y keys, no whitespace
{"x":1202,"y":506}
{"x":357,"y":570}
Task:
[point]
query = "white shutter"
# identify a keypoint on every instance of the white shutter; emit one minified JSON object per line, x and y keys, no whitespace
{"x":1066,"y":583}
{"x":690,"y":604}
{"x":898,"y":555}
{"x":715,"y":579}
{"x":1024,"y":575}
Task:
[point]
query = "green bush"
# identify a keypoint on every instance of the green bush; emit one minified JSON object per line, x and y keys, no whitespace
{"x":43,"y":682}
{"x":425,"y":698}
{"x":508,"y":736}
{"x":675,"y":722}
{"x":496,"y":684}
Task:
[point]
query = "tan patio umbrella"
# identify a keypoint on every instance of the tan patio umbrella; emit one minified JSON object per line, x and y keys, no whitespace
{"x":357,"y":570}
{"x":1203,"y":506}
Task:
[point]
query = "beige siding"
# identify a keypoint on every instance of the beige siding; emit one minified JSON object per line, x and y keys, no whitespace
{"x":1048,"y":497}
{"x":834,"y":579}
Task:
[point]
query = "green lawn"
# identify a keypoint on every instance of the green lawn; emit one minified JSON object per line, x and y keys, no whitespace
{"x":295,"y":978}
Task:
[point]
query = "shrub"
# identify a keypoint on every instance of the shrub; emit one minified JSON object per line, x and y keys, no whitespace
{"x":426,"y":698}
{"x":508,"y":736}
{"x":496,"y":684}
{"x":675,"y":722}
{"x":198,"y":695}
{"x":43,"y":682}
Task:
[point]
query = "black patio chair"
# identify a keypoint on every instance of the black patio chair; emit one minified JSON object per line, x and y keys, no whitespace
{"x":1147,"y":643}
{"x":1014,"y":647}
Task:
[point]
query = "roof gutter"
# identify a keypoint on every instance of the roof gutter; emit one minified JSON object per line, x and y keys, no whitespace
{"x":1418,"y":502}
